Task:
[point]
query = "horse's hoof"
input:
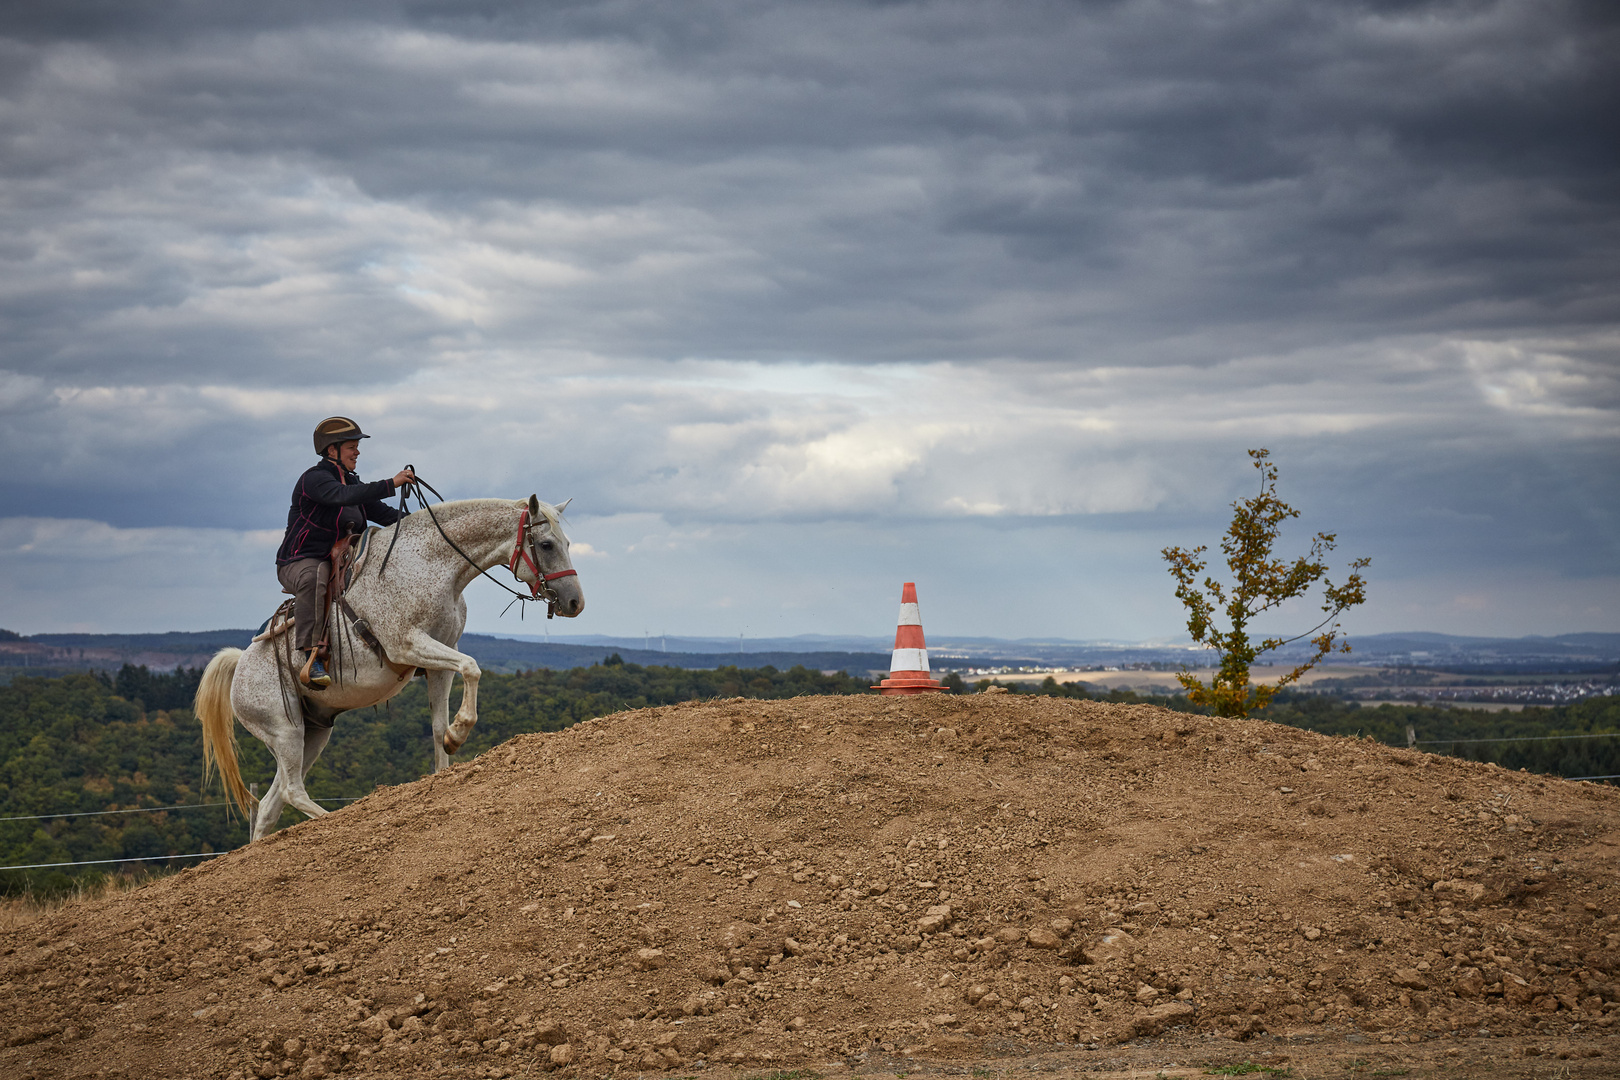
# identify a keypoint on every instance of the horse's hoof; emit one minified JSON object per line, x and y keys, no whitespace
{"x":451,"y":747}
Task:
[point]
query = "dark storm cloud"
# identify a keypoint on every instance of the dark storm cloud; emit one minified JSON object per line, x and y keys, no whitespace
{"x":1152,"y":182}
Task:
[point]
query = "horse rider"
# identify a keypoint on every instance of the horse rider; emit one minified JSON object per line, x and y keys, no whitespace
{"x":329,"y":503}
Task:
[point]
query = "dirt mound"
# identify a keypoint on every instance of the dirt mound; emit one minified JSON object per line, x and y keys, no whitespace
{"x":742,"y":883}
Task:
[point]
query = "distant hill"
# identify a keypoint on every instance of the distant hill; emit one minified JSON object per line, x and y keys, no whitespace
{"x":1572,"y":652}
{"x":1575,"y":653}
{"x":62,"y":653}
{"x":510,"y":654}
{"x":173,"y":641}
{"x":1565,"y":652}
{"x":55,"y":654}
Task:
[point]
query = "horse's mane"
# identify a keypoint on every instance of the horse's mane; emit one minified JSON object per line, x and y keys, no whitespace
{"x":553,"y":518}
{"x":454,"y":508}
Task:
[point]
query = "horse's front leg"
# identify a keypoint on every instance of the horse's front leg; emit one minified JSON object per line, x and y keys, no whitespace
{"x":439,"y":707}
{"x":467,"y":714}
{"x":422,"y":651}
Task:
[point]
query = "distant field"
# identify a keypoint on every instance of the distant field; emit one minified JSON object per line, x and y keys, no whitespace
{"x":1165,"y":681}
{"x":1478,"y":706}
{"x":1383,"y":686}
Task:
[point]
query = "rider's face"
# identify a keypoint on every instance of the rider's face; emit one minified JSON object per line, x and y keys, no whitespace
{"x":349,"y":453}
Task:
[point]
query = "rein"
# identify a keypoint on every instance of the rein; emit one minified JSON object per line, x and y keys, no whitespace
{"x":540,"y":589}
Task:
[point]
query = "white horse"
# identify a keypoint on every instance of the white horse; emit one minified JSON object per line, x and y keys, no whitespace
{"x":413,"y":612}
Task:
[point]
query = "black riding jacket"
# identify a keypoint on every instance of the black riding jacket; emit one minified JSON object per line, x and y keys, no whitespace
{"x":325,"y":508}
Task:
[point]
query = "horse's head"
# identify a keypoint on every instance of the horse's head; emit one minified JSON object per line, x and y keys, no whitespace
{"x":540,"y":557}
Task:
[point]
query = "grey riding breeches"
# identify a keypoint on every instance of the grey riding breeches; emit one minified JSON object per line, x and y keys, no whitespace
{"x":306,"y":579}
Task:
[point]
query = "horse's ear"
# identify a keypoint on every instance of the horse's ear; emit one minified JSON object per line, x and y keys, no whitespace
{"x":564,"y":504}
{"x":534,"y":507}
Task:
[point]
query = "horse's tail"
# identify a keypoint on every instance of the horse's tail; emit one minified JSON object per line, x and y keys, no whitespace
{"x":213,"y":709}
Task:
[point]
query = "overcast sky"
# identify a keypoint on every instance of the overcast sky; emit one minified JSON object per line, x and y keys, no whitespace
{"x":802,"y":300}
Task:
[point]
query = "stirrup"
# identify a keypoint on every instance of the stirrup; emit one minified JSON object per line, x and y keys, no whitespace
{"x":314,"y":682}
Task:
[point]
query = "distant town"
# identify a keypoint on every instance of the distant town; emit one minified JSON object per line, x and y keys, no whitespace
{"x":1428,"y":669}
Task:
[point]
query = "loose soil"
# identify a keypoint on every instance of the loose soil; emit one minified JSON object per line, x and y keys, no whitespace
{"x":975,"y":885}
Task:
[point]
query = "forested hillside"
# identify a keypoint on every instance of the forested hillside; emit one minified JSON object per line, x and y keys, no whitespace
{"x":83,"y":744}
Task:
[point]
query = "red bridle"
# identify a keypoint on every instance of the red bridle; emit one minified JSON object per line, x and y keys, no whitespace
{"x":520,"y":551}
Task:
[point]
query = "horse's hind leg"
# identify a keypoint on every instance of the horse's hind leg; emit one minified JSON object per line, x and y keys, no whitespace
{"x":315,"y":740}
{"x":287,"y":743}
{"x":290,"y":770}
{"x":269,"y":811}
{"x":263,"y":705}
{"x":275,"y":800}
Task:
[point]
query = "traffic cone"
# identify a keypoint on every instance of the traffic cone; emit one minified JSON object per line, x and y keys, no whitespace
{"x":908,"y":669}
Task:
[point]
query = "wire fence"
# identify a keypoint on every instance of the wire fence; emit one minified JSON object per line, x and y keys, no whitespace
{"x":101,"y":862}
{"x":103,"y":813}
{"x":1517,"y":738}
{"x":133,"y":810}
{"x":142,"y":810}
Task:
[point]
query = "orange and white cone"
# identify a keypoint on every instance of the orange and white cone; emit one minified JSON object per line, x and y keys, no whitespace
{"x":908,"y":668}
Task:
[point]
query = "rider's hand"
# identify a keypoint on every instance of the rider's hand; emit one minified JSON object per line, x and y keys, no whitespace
{"x":403,"y":477}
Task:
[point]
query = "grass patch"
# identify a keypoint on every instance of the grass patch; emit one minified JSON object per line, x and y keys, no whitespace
{"x":21,"y":909}
{"x":1244,"y":1068}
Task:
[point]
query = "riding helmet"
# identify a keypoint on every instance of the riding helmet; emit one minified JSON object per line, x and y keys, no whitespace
{"x":336,"y":429}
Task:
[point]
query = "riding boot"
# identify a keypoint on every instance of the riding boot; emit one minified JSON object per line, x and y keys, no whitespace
{"x":313,"y":674}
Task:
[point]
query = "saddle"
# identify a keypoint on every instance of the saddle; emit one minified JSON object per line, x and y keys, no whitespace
{"x":347,"y":558}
